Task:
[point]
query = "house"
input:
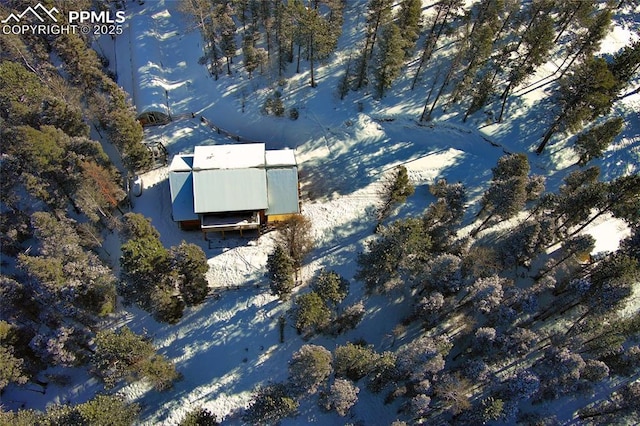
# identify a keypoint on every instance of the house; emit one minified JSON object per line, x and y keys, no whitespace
{"x":150,"y":94}
{"x":233,"y":187}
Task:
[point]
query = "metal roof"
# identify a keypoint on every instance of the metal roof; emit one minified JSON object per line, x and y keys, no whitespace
{"x":229,"y":190}
{"x":280,"y":158}
{"x":181,"y":186}
{"x":282,"y":187}
{"x":181,"y":163}
{"x":240,"y":156}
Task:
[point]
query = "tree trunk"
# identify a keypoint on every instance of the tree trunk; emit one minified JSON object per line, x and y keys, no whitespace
{"x":311,"y":53}
{"x":426,"y":102}
{"x":428,"y":49}
{"x":547,"y":136}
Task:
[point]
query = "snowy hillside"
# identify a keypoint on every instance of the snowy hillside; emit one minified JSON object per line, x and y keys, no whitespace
{"x":229,"y":346}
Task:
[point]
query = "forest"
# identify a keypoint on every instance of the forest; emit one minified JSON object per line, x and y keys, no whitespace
{"x":508,"y":310}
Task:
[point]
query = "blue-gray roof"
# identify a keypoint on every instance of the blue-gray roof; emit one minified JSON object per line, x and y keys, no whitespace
{"x":282,"y":187}
{"x":229,"y":190}
{"x":181,"y":184}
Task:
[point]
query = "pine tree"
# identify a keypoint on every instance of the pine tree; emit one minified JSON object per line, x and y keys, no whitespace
{"x":445,"y":11}
{"x":507,"y":194}
{"x":442,"y":217}
{"x":572,"y":14}
{"x":189,"y":262}
{"x":395,"y":191}
{"x":378,"y":15}
{"x":280,"y":270}
{"x":227,"y":33}
{"x":585,"y":45}
{"x":341,"y":397}
{"x":252,"y":58}
{"x":538,"y":40}
{"x":122,"y":354}
{"x":390,"y":58}
{"x":309,"y":368}
{"x":399,"y":247}
{"x":625,"y":64}
{"x":480,"y":94}
{"x":199,"y":417}
{"x":331,"y":287}
{"x":409,"y":18}
{"x":270,"y":404}
{"x":312,"y":314}
{"x":354,"y":361}
{"x":11,"y":368}
{"x":592,"y":143}
{"x":108,"y":409}
{"x":585,"y":94}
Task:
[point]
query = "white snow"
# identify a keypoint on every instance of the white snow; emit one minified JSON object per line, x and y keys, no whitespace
{"x":344,"y":150}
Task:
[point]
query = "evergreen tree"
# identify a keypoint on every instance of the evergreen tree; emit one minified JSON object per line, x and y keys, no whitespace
{"x":538,"y":40}
{"x":122,"y":354}
{"x":199,"y":417}
{"x":625,"y":64}
{"x":280,"y":270}
{"x":11,"y":367}
{"x":572,"y":14}
{"x":390,"y":57}
{"x":592,"y":143}
{"x":452,"y":391}
{"x":585,"y":94}
{"x":507,"y":194}
{"x":144,"y":264}
{"x":108,"y":410}
{"x":227,"y":33}
{"x":478,"y":41}
{"x":395,"y":190}
{"x":341,"y":397}
{"x":588,"y":43}
{"x":331,"y":287}
{"x":312,"y":314}
{"x":309,"y":368}
{"x":409,"y":19}
{"x":378,"y":15}
{"x":354,"y":361}
{"x":442,"y":217}
{"x":611,"y":285}
{"x":270,"y":404}
{"x":252,"y":59}
{"x":445,"y":11}
{"x":400,"y":246}
{"x":190,"y":263}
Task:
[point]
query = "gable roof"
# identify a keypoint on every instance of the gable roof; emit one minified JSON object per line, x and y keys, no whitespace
{"x":229,"y":190}
{"x":181,"y":187}
{"x":233,"y":178}
{"x":280,"y":158}
{"x":282,"y":187}
{"x":241,"y":156}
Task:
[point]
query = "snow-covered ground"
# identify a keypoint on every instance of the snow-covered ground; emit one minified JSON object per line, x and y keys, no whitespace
{"x":228,"y":346}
